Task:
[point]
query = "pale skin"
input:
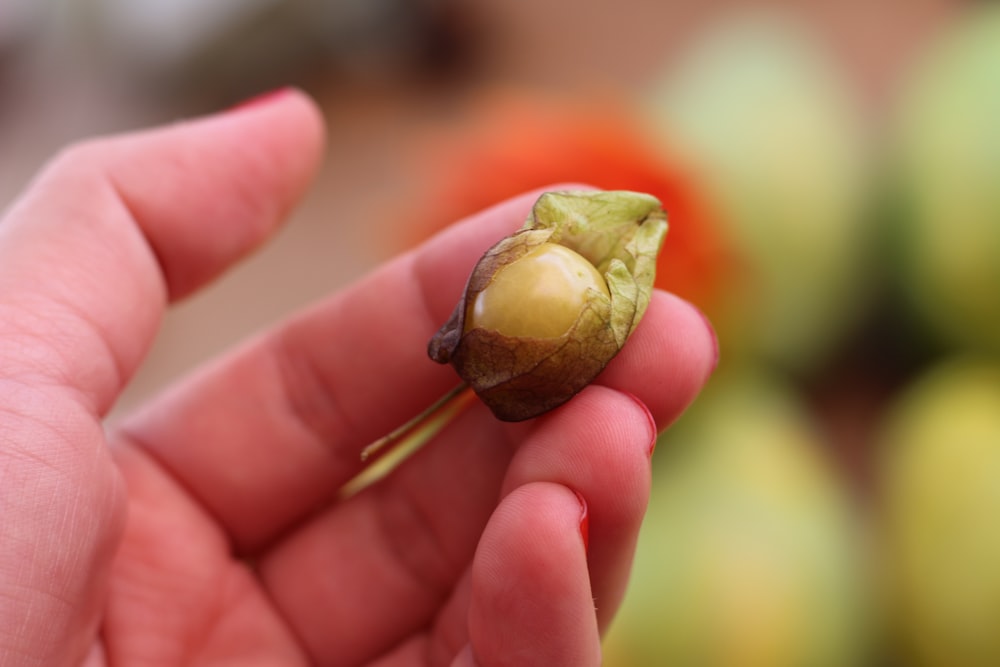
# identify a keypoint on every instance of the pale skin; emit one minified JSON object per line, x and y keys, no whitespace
{"x":206,"y":529}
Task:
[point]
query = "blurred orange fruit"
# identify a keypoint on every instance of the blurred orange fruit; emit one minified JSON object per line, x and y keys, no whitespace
{"x":510,"y":141}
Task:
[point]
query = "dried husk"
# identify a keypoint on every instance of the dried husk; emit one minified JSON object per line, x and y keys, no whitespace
{"x":518,"y":378}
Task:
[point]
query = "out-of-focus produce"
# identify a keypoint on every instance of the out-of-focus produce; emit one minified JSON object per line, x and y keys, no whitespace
{"x":750,"y":555}
{"x":940,"y":533}
{"x":506,"y":141}
{"x":774,"y":130}
{"x":948,"y":161}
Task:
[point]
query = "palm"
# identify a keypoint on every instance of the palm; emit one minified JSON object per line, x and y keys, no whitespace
{"x":178,"y":594}
{"x":183,"y":592}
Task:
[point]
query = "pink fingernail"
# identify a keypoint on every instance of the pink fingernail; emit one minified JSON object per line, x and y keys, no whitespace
{"x":261,"y":99}
{"x":584,"y":521}
{"x":715,"y":339}
{"x":653,"y":430}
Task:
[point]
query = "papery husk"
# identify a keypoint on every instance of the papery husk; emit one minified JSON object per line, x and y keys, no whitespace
{"x":519,"y":378}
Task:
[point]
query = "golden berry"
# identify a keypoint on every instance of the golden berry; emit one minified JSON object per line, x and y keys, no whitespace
{"x":540,"y":295}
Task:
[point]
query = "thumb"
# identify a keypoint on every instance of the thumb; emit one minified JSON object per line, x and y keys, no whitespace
{"x":116,"y":227}
{"x":90,"y":255}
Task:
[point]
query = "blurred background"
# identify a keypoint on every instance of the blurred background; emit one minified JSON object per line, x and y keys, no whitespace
{"x":831,"y":171}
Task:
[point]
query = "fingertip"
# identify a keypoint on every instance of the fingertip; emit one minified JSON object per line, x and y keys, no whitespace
{"x":209,"y":190}
{"x":535,"y":513}
{"x":293,"y":107}
{"x":668,"y":359}
{"x":112,"y":227}
{"x":648,"y":419}
{"x":531,"y":592}
{"x":713,"y":339}
{"x":598,"y":444}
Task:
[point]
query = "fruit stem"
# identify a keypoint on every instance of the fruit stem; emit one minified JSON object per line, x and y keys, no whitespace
{"x":408,"y":438}
{"x":434,"y":427}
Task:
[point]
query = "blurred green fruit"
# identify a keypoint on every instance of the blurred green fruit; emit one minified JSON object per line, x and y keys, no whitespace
{"x":749,"y":555}
{"x":941,"y":530}
{"x":765,"y":114}
{"x":948,"y":153}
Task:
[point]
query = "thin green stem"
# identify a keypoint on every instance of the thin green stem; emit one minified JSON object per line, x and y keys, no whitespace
{"x":406,"y":439}
{"x":401,"y":431}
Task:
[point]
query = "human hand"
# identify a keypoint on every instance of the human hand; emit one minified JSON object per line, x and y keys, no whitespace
{"x":208,"y":528}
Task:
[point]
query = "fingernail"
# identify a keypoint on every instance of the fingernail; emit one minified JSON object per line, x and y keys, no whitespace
{"x":466,"y":658}
{"x":261,"y":99}
{"x":584,"y":521}
{"x":715,"y":340}
{"x":653,"y":430}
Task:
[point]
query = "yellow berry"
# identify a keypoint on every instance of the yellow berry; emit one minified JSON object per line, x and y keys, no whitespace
{"x":539,"y":295}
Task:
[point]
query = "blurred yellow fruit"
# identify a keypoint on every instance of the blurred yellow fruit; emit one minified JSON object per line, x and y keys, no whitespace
{"x":948,"y":155}
{"x":773,"y":127}
{"x":941,"y":530}
{"x":749,"y":556}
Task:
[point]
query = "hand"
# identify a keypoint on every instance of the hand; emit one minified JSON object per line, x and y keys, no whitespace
{"x":208,"y":528}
